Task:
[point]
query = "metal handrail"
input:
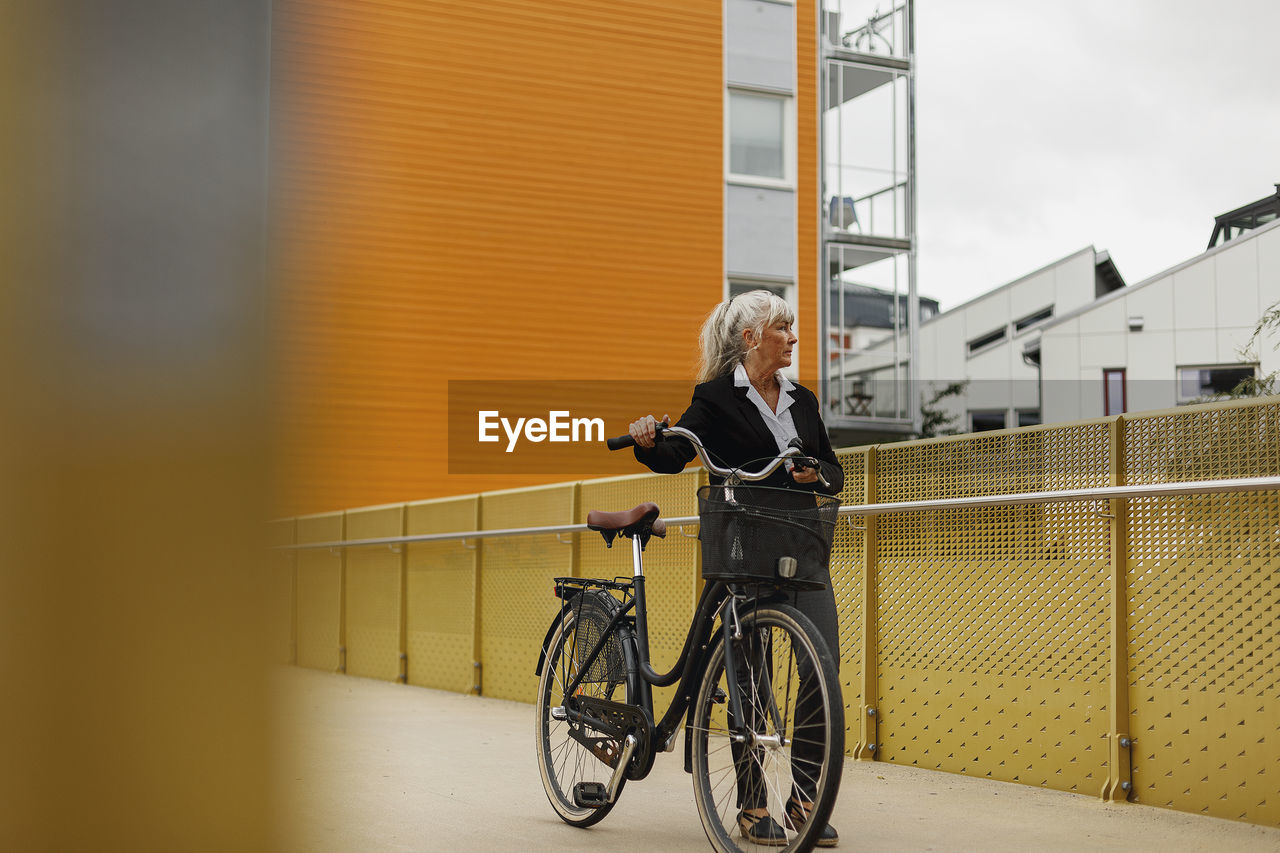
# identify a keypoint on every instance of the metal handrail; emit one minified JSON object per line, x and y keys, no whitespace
{"x":1192,"y":487}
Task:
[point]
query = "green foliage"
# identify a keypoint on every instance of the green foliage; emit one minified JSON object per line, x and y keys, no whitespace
{"x":935,"y":420}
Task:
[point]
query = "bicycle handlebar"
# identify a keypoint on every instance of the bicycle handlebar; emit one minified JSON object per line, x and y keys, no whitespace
{"x":621,"y":441}
{"x":663,"y":430}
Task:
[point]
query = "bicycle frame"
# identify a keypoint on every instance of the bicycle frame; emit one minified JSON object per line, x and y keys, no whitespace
{"x":717,"y":599}
{"x":766,"y":685}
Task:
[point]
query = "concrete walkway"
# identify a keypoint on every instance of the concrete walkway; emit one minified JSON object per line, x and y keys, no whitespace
{"x":372,"y":766}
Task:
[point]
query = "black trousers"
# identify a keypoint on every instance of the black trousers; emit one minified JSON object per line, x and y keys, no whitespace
{"x":809,"y":739}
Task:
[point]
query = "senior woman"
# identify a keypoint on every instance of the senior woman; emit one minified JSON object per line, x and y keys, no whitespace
{"x":744,"y":410}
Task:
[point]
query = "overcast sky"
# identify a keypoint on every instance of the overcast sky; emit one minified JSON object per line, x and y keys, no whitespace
{"x":1045,"y":126}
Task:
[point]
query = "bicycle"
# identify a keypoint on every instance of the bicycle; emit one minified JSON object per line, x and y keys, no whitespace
{"x":595,"y":723}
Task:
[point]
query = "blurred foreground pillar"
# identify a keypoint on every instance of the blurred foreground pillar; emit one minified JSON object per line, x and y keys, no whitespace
{"x":132,"y":236}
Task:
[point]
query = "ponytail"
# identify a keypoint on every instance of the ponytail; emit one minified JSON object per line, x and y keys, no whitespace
{"x":721,"y":340}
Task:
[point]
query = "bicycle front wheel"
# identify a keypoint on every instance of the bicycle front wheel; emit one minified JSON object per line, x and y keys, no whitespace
{"x":790,"y":744}
{"x":570,"y":753}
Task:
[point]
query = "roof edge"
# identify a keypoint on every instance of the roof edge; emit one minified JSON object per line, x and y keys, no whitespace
{"x":1017,"y":280}
{"x":1116,"y":294}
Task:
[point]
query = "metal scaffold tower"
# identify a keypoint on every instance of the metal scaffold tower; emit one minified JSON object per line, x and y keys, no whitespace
{"x":870,"y":307}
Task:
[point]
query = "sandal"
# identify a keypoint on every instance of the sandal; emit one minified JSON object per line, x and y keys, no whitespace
{"x":761,"y":829}
{"x":798,"y":815}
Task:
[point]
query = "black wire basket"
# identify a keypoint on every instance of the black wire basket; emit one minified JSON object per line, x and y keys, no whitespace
{"x":762,"y":534}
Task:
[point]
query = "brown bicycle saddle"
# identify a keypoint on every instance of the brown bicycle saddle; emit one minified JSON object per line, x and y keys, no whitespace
{"x":642,"y":520}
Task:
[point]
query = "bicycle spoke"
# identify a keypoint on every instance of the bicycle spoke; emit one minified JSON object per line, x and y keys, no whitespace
{"x":564,"y":760}
{"x":785,"y":708}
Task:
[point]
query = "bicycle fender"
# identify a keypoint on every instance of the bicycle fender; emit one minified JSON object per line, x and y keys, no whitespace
{"x":546,"y":641}
{"x":699,"y":667}
{"x":688,"y":741}
{"x":569,"y":603}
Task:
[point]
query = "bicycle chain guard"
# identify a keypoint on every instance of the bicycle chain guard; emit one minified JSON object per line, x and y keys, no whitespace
{"x":594,"y":717}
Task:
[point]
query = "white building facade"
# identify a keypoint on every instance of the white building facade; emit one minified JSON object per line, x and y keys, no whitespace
{"x":982,"y":343}
{"x":1070,"y":341}
{"x":1176,"y":337}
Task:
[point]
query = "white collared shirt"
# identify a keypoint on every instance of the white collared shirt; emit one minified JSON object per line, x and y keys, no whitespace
{"x":779,"y":423}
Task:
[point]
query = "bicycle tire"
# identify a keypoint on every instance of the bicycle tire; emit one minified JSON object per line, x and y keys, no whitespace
{"x":782,"y":652}
{"x":563,"y":762}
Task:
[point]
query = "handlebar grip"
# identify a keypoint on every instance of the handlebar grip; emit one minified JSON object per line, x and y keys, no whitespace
{"x":627,"y":441}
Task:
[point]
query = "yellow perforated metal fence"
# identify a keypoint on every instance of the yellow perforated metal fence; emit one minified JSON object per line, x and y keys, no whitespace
{"x":373,"y":594}
{"x":672,"y":579}
{"x":319,"y":593}
{"x":283,"y":592}
{"x":1204,"y":614}
{"x":441,"y":625}
{"x":992,"y":622}
{"x":849,"y":580}
{"x":1127,"y":648}
{"x":517,"y":583}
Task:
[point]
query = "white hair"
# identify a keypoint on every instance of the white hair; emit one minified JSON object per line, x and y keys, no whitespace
{"x":721,"y":340}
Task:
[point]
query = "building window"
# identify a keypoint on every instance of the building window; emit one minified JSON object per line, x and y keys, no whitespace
{"x":985,"y":420}
{"x":1028,"y":417}
{"x":1032,"y":319}
{"x":1114,"y":393}
{"x":990,"y":339}
{"x":737,"y":287}
{"x":758,"y":136}
{"x":1211,"y":380}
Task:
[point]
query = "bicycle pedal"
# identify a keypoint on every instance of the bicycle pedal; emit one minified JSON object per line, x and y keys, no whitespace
{"x":590,"y":795}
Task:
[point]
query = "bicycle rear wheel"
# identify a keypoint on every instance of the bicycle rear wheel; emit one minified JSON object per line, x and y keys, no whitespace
{"x":570,"y":753}
{"x":793,"y":705}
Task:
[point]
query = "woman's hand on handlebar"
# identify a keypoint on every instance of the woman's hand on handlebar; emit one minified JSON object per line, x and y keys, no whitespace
{"x":643,"y":432}
{"x":805,"y":474}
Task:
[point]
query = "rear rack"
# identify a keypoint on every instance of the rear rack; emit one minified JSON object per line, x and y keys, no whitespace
{"x":576,"y":585}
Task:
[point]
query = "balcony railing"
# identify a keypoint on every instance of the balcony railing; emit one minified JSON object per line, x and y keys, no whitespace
{"x":861,"y":26}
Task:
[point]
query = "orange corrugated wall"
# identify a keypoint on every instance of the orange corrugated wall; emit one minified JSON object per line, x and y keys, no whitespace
{"x":808,"y":245}
{"x":491,"y":190}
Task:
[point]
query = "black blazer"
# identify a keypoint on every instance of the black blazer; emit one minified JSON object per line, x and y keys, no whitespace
{"x":735,"y":434}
